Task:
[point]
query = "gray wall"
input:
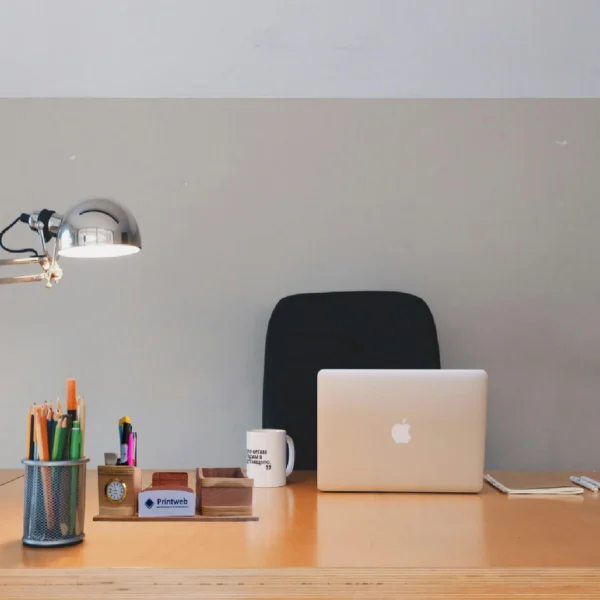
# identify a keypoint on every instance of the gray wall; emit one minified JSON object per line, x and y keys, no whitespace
{"x":487,"y":209}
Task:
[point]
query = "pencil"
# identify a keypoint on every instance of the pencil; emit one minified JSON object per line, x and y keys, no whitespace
{"x":51,"y":427}
{"x":74,"y":454}
{"x":42,"y":437}
{"x":82,"y":409}
{"x":29,"y":449}
{"x":69,"y":426}
{"x":59,"y":441}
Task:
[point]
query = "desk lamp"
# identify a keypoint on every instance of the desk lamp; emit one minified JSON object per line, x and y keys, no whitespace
{"x":98,"y":228}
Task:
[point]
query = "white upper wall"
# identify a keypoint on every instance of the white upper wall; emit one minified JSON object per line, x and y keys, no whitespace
{"x":300,"y":48}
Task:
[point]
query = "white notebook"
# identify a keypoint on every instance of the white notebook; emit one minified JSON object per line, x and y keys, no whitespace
{"x":534,"y":484}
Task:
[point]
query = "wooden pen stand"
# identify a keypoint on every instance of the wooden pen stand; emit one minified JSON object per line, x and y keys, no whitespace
{"x":118,"y":489}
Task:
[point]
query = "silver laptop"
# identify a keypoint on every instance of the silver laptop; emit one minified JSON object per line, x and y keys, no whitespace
{"x":401,"y":430}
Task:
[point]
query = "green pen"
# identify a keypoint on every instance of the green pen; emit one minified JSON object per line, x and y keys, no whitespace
{"x":75,"y":454}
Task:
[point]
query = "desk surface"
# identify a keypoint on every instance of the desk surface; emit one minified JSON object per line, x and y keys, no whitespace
{"x":302,"y":528}
{"x":7,"y":476}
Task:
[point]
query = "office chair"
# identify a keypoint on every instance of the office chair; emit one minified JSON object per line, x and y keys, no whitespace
{"x":337,"y":330}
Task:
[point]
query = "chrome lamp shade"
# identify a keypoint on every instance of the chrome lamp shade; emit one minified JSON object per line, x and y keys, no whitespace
{"x":98,"y":228}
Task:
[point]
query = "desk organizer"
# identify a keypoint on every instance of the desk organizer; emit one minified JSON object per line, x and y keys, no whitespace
{"x":221,"y":495}
{"x":54,"y":502}
{"x":224,"y":492}
{"x":118,"y":489}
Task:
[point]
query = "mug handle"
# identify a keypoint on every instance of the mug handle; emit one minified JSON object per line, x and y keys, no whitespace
{"x":292,"y":458}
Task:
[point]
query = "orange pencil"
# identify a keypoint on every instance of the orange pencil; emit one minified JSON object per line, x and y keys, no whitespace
{"x":41,"y":431}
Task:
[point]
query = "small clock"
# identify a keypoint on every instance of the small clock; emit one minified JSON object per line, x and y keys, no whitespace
{"x":116,"y":491}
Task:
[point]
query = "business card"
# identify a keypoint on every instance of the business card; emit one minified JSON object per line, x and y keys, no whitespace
{"x":166,"y":503}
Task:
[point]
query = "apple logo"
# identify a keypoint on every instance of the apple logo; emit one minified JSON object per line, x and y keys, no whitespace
{"x":401,"y":432}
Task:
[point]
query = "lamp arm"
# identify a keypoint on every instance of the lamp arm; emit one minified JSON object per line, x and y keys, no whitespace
{"x":28,"y":260}
{"x":45,"y":223}
{"x":23,"y":279}
{"x":52,"y":272}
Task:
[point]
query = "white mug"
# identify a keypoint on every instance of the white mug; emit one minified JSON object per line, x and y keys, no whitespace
{"x":265,"y":457}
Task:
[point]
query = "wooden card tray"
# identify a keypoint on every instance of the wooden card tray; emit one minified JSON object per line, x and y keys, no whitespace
{"x":197,"y":517}
{"x":224,"y":492}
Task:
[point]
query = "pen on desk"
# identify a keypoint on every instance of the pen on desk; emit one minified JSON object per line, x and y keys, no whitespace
{"x":591,"y":481}
{"x":125,"y":443}
{"x":130,"y":450}
{"x":122,"y":421}
{"x":583,"y":483}
{"x":135,"y":464}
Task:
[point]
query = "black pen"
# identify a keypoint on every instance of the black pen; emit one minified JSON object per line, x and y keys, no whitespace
{"x":125,"y":442}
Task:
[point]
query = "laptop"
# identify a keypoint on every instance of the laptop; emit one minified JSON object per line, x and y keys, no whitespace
{"x":401,"y":430}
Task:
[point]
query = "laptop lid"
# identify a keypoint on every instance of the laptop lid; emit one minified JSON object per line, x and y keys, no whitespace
{"x":401,"y":430}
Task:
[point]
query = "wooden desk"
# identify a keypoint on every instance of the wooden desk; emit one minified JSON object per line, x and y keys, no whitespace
{"x":313,"y":545}
{"x":7,"y":476}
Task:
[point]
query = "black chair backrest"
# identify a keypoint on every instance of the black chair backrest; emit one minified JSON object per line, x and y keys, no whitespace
{"x":337,"y":330}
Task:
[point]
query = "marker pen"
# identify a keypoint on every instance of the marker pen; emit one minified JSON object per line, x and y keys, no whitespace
{"x":130,"y":450}
{"x":72,"y":398}
{"x":122,"y":420}
{"x":583,"y":483}
{"x":590,"y":480}
{"x":125,"y":443}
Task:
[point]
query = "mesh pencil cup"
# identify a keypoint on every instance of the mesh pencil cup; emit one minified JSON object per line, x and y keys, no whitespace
{"x":54,"y":503}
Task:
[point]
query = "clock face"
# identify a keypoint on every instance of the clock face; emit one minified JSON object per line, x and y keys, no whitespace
{"x":116,"y":491}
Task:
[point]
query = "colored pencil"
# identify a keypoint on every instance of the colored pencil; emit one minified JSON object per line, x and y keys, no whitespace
{"x":42,"y":436}
{"x":29,"y":449}
{"x":74,"y":454}
{"x":59,"y":440}
{"x":67,"y":448}
{"x":82,"y":415}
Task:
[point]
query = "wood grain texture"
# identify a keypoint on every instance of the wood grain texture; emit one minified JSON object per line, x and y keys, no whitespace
{"x":227,"y":511}
{"x":235,"y":518}
{"x":236,"y":478}
{"x":227,"y":496}
{"x":302,"y":528}
{"x":8,"y":475}
{"x":407,"y":584}
{"x":170,"y":478}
